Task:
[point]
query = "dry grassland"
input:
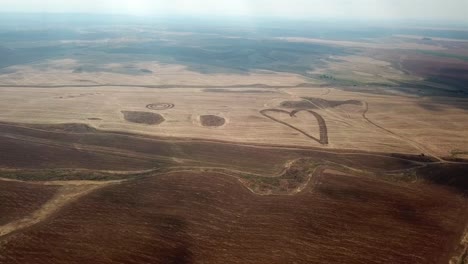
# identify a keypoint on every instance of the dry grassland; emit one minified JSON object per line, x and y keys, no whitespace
{"x":382,"y":123}
{"x":55,"y":72}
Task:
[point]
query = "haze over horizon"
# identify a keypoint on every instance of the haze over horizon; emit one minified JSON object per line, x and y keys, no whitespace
{"x":432,"y":10}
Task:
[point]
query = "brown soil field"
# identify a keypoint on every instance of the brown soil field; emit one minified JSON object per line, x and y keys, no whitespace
{"x":425,"y":65}
{"x":444,"y":66}
{"x":50,"y":148}
{"x":143,"y":117}
{"x":454,"y":175}
{"x":202,"y":201}
{"x":64,"y":128}
{"x":38,"y":153}
{"x":212,"y":120}
{"x":206,"y":218}
{"x":101,"y":155}
{"x":18,"y":199}
{"x":64,"y":192}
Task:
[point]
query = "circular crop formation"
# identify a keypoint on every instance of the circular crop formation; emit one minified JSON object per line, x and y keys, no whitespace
{"x":160,"y":106}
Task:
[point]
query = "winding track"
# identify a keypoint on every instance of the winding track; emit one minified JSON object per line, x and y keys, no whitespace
{"x":73,"y":190}
{"x":68,"y":192}
{"x":393,"y":134}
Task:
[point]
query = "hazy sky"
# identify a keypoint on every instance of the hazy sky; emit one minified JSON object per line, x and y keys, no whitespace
{"x":365,"y":9}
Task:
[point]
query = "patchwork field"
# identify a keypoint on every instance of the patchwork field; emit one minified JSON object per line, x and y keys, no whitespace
{"x":370,"y":122}
{"x":222,"y":144}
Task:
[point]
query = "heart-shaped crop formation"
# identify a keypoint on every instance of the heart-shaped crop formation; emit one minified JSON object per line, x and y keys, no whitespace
{"x":321,"y":122}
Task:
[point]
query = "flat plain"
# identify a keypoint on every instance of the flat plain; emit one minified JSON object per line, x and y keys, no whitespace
{"x":234,"y":149}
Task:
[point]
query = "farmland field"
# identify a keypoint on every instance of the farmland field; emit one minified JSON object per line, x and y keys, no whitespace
{"x":151,"y":143}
